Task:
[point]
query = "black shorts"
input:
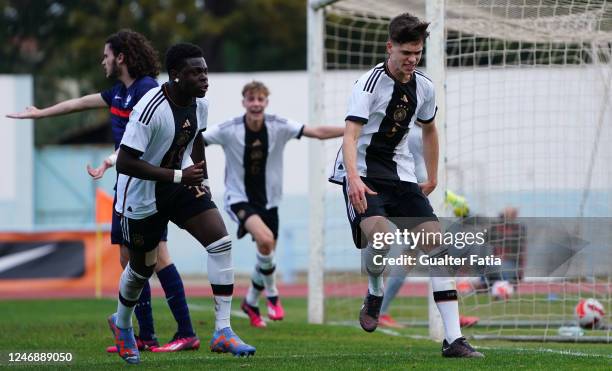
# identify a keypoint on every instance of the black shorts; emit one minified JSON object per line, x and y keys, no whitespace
{"x":241,"y":211}
{"x":402,"y":202}
{"x":176,"y":203}
{"x":117,"y":233}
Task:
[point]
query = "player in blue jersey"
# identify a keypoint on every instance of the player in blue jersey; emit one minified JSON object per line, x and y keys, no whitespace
{"x":130,"y":59}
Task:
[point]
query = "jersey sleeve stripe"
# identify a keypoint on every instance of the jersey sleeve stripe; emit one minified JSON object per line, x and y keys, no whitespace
{"x":149,"y":105}
{"x":299,"y":135}
{"x":422,"y":75}
{"x":375,"y":81}
{"x":429,"y":120}
{"x":131,"y":150}
{"x":357,"y":119}
{"x":371,"y":82}
{"x":148,"y":118}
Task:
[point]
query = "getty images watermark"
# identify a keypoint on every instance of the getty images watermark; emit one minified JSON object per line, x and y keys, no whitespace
{"x":492,"y":247}
{"x":457,"y":242}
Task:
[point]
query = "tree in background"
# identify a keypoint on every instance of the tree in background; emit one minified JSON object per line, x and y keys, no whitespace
{"x":58,"y":40}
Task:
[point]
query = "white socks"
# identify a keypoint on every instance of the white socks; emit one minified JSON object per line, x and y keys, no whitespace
{"x":445,"y":296}
{"x":221,"y":277}
{"x":266,"y":266}
{"x":371,"y":256}
{"x":223,"y":307}
{"x":255,"y":289}
{"x":130,"y":287}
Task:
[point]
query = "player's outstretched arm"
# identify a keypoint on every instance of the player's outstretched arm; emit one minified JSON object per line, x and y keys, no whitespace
{"x":323,"y":132}
{"x":431,"y":153}
{"x":108,"y":162}
{"x":356,"y":188}
{"x":68,"y":106}
{"x":129,"y":163}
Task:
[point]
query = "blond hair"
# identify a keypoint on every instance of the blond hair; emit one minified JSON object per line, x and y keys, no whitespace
{"x":255,"y":87}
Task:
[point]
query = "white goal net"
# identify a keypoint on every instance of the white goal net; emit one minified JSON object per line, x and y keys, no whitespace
{"x":526,"y":123}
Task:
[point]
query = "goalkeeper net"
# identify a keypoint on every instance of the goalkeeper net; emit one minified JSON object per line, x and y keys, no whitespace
{"x":527,"y":123}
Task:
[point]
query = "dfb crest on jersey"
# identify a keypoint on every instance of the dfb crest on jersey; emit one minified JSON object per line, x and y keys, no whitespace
{"x":400,"y":114}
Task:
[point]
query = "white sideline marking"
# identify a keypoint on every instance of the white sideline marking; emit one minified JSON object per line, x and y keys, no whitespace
{"x":13,"y":260}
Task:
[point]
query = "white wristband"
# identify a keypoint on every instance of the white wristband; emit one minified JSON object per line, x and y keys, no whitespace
{"x":206,"y":183}
{"x":112,"y":159}
{"x":178,"y":175}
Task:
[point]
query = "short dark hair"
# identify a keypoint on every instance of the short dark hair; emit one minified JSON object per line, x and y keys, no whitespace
{"x":141,"y":58}
{"x":407,"y":28}
{"x":177,"y":53}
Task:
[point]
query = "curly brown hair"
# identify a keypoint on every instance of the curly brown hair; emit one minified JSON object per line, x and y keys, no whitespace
{"x":140,"y":57}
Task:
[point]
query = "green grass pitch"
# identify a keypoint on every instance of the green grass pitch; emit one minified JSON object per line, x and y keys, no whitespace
{"x":79,"y":327}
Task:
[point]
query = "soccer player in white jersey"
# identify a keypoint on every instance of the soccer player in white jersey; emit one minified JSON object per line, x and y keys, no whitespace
{"x":253,"y":144}
{"x":156,"y":186}
{"x":376,"y":170}
{"x":134,"y":63}
{"x":397,"y":274}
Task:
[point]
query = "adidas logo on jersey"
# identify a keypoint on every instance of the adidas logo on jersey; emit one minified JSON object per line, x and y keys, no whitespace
{"x":405,"y":98}
{"x":186,"y":124}
{"x":257,"y":143}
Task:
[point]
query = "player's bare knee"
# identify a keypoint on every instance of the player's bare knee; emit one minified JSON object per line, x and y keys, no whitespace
{"x":265,"y":245}
{"x":163,"y":256}
{"x":151,"y":258}
{"x":433,"y":236}
{"x":374,"y":225}
{"x":124,"y":255}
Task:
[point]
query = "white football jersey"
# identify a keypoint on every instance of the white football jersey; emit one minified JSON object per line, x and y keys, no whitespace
{"x":388,"y":110}
{"x":415,"y":145}
{"x":162,"y":134}
{"x":254,"y":160}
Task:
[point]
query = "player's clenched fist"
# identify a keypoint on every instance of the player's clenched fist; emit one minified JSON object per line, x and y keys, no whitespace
{"x":193,"y":175}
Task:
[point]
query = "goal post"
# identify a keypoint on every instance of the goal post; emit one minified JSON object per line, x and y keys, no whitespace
{"x":524,"y":97}
{"x":316,"y":168}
